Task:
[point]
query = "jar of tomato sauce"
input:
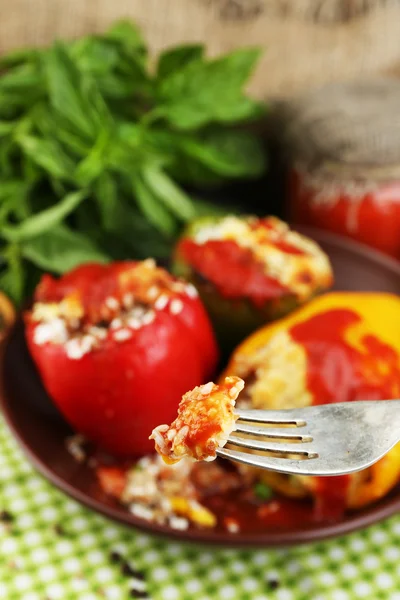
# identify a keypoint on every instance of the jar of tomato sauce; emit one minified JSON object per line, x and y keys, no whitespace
{"x":343,"y":144}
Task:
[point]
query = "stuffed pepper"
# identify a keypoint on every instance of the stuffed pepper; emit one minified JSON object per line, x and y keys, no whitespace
{"x":341,"y":347}
{"x":116,"y":346}
{"x":7,"y":315}
{"x":250,"y":271}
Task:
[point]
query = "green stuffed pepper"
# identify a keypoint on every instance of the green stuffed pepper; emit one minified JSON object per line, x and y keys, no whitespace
{"x":249,"y":271}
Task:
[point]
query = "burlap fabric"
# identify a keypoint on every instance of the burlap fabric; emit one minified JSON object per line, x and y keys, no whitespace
{"x":307,"y":42}
{"x":351,"y":128}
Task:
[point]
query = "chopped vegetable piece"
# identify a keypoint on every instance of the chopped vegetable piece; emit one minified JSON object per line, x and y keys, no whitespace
{"x":263,"y":491}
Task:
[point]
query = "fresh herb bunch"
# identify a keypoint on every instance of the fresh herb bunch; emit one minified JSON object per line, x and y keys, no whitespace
{"x":93,"y":143}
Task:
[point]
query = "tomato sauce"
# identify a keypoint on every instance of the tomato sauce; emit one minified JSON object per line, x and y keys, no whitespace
{"x":256,"y":516}
{"x":339,"y":372}
{"x":233,"y":270}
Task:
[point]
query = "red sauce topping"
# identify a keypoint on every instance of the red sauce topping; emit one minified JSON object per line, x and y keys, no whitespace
{"x":251,"y":516}
{"x":288,"y":248}
{"x":338,"y":372}
{"x":267,"y":227}
{"x":233,"y":270}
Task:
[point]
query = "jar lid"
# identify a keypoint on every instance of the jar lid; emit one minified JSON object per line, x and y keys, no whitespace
{"x":347,"y":127}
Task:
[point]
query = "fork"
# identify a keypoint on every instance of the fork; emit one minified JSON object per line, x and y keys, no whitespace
{"x":330,"y":439}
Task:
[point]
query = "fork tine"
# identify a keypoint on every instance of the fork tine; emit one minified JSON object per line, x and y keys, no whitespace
{"x":281,"y":465}
{"x":302,"y":449}
{"x":274,"y":417}
{"x":291,"y":434}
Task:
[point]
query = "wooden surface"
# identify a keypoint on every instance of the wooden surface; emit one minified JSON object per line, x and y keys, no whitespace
{"x":307,"y":42}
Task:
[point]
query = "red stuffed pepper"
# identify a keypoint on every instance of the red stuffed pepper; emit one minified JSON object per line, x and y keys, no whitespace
{"x":117,"y":346}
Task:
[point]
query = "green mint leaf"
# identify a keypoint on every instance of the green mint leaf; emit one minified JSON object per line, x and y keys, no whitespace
{"x":263,"y":491}
{"x":227,"y":153}
{"x":46,"y":219}
{"x":152,"y":208}
{"x":49,"y":155}
{"x":204,"y":208}
{"x":128,"y":34}
{"x":13,"y":196}
{"x":174,"y":59}
{"x":73,"y":94}
{"x":95,"y":55}
{"x":238,"y":110}
{"x":12,"y":279}
{"x":17,"y":57}
{"x":61,"y":249}
{"x":169,"y":193}
{"x":6,"y":128}
{"x":106,"y":197}
{"x":204,"y":91}
{"x":20,"y":88}
{"x":91,"y":167}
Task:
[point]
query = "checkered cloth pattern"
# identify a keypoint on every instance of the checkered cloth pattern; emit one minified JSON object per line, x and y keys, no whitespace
{"x":54,"y":549}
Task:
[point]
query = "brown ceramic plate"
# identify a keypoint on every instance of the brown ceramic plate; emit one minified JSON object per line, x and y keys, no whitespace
{"x":41,"y":431}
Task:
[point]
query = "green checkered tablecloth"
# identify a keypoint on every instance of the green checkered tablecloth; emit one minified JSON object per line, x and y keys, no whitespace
{"x":55,"y":549}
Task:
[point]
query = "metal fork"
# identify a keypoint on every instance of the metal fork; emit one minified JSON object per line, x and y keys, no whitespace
{"x":332,"y":439}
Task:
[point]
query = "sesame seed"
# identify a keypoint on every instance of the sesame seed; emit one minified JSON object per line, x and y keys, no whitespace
{"x":171,"y":434}
{"x":128,"y":300}
{"x":75,"y":446}
{"x":176,"y":306}
{"x":207,"y":388}
{"x":178,"y":523}
{"x":137,"y":311}
{"x":134,"y":323}
{"x":59,"y":530}
{"x":88,"y":341}
{"x":141,"y":511}
{"x":98,"y":332}
{"x":191,"y":291}
{"x":153,"y":292}
{"x":122,"y":335}
{"x":138,"y":593}
{"x":112,"y":303}
{"x":76,"y":348}
{"x":148,"y":317}
{"x":116,"y":323}
{"x":74,"y":323}
{"x":149,"y":263}
{"x":232,"y":526}
{"x":116,"y":557}
{"x":54,"y":331}
{"x":161,"y":302}
{"x":273,"y":584}
{"x":6,"y":516}
{"x":178,"y":286}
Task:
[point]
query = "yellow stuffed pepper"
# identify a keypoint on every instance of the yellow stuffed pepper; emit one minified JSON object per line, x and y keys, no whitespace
{"x":338,"y":348}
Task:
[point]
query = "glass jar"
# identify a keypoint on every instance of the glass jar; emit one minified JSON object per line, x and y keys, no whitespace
{"x":368,"y":211}
{"x":342,"y":144}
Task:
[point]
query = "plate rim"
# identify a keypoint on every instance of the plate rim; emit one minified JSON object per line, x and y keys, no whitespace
{"x":384,"y":508}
